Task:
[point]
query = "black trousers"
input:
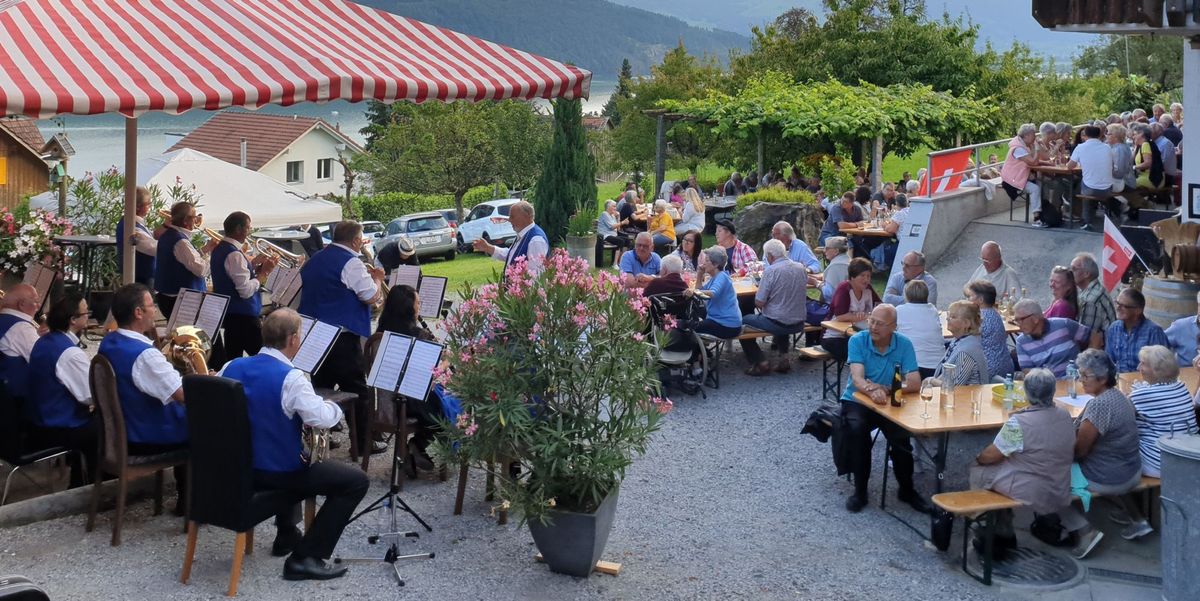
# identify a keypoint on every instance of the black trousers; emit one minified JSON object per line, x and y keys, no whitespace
{"x":838,"y":346}
{"x":166,"y":304}
{"x":343,"y":369}
{"x":859,"y":422}
{"x":342,"y":486}
{"x":243,"y":335}
{"x":83,"y":439}
{"x":153,"y":448}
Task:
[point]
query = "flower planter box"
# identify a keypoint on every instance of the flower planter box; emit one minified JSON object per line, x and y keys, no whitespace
{"x":582,"y":247}
{"x":573,"y":542}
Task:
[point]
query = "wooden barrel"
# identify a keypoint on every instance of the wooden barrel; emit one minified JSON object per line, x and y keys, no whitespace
{"x":1185,"y":258}
{"x":1168,"y":300}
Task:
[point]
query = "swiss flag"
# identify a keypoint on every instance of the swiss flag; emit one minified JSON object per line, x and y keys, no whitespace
{"x":1118,"y":254}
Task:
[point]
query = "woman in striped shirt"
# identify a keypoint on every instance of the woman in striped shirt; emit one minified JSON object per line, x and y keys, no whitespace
{"x":1162,"y":403}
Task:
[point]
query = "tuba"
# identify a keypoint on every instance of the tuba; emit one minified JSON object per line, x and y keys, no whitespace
{"x":316,"y":445}
{"x":188,"y":350}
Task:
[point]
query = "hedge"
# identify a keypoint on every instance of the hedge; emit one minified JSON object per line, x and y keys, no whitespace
{"x":387,"y":206}
{"x":778,"y":196}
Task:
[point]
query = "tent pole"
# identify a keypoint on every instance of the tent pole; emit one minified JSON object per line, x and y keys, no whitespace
{"x":130,"y":198}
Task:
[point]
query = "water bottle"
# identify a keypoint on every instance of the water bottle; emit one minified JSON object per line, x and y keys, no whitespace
{"x":1008,"y":394}
{"x":1072,"y":379}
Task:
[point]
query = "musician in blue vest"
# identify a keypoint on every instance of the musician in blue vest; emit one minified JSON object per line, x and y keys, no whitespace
{"x":149,"y":388}
{"x":177,"y":263}
{"x":279,"y":400}
{"x":59,"y":407}
{"x":143,"y":241}
{"x":338,"y":288}
{"x":239,"y":277}
{"x":531,"y":241}
{"x":18,"y":333}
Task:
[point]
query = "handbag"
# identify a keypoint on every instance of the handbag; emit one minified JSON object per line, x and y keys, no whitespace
{"x":941,"y":527}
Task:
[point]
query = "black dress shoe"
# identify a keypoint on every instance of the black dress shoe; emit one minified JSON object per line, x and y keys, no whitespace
{"x":378,"y":447}
{"x":915,"y":501}
{"x":856,"y":503}
{"x":418,"y":457}
{"x":311,"y":568}
{"x":285,"y":542}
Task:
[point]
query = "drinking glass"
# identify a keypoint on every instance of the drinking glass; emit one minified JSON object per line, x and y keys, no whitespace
{"x":926,"y":396}
{"x":977,"y":401}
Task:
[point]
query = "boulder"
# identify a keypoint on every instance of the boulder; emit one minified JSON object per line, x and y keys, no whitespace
{"x":754,"y":223}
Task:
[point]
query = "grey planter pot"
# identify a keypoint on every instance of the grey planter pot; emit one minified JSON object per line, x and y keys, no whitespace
{"x":582,"y":247}
{"x":572,"y":542}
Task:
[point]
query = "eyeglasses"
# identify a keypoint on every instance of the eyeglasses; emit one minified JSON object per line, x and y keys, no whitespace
{"x":1126,"y":306}
{"x":882,"y":324}
{"x":1020,"y":318}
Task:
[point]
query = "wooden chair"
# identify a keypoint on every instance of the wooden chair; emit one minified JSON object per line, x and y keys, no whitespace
{"x":221,"y":476}
{"x":113,"y":456}
{"x":12,"y":448}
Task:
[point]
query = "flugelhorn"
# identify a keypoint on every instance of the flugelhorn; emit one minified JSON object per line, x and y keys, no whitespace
{"x":187,"y":349}
{"x":287,"y":259}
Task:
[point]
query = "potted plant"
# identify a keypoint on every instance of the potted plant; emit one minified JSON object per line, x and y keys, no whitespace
{"x":581,"y":236}
{"x":27,"y":235}
{"x":554,"y":374}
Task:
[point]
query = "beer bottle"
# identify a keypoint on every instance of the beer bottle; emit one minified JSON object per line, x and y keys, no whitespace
{"x":897,"y":388}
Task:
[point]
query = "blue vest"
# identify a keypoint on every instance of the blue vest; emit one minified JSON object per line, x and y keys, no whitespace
{"x":147,"y":419}
{"x":13,"y":370}
{"x":274,"y":438}
{"x":50,"y":404}
{"x":169,"y":274}
{"x":522,"y":247}
{"x":143,"y":264}
{"x":324,"y":297}
{"x":223,"y":284}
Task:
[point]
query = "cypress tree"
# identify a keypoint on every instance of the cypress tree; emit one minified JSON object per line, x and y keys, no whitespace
{"x":568,"y":180}
{"x":624,"y":81}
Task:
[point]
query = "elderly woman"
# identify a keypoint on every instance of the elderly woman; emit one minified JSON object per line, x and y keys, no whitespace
{"x":1030,"y":459}
{"x":724,"y":319}
{"x":836,"y":269}
{"x":1107,"y":459}
{"x":852,"y":303}
{"x":1147,"y":160}
{"x":1066,"y":295}
{"x":1015,"y":173}
{"x":966,"y":350}
{"x":662,"y":227}
{"x":1123,"y":174}
{"x":991,"y":330}
{"x":693,"y":213}
{"x":918,"y":320}
{"x":608,"y":230}
{"x":1163,"y":403}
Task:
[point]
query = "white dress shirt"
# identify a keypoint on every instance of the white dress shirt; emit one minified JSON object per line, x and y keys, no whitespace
{"x":238,"y":271}
{"x":535,"y":254}
{"x":188,"y":256}
{"x":923,"y":327}
{"x":143,"y":238}
{"x":1006,"y":280}
{"x":19,"y":340}
{"x":72,"y":370}
{"x":298,"y":397}
{"x":152,"y":373}
{"x":356,"y":277}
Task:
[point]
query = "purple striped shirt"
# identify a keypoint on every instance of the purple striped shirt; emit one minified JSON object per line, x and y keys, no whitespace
{"x":1060,"y":343}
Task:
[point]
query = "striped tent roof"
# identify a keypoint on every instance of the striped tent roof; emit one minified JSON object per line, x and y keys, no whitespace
{"x":135,"y":56}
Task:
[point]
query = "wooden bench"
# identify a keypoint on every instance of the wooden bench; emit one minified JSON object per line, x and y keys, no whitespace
{"x":974,"y":507}
{"x":1148,"y":485}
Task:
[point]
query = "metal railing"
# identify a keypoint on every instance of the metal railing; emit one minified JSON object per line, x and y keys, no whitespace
{"x":979,"y":167}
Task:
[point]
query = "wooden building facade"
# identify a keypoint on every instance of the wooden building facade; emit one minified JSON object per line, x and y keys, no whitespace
{"x":23,"y":172}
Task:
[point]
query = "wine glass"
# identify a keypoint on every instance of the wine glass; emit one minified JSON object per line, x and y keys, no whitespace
{"x":926,"y":396}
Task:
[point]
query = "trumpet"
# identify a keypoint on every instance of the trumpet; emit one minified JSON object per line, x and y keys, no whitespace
{"x":166,"y":215}
{"x":287,"y":259}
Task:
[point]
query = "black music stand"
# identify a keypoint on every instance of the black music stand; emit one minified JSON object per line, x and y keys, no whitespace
{"x":390,"y":502}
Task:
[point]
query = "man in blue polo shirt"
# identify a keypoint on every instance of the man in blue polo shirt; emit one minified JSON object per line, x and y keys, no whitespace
{"x":641,"y":266}
{"x":874,"y":356}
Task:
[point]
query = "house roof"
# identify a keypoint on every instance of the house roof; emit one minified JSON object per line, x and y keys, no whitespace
{"x":596,"y":122}
{"x":26,"y":132}
{"x":266,"y":136}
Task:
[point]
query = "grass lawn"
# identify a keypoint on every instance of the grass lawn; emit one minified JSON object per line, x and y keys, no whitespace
{"x":895,"y":166}
{"x":473,"y":269}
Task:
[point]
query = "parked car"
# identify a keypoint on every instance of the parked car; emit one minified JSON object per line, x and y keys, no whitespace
{"x":451,"y":216}
{"x":429,"y":233}
{"x":372,"y":231}
{"x":487,"y":221}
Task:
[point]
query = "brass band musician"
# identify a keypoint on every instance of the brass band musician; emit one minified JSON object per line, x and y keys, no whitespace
{"x":178,"y":263}
{"x":239,"y":277}
{"x":144,"y":241}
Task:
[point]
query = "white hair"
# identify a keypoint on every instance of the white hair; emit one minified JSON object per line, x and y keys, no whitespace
{"x":774,"y":249}
{"x":912,"y":186}
{"x":671,"y":264}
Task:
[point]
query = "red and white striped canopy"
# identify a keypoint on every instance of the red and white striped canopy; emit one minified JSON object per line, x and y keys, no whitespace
{"x":134,"y":56}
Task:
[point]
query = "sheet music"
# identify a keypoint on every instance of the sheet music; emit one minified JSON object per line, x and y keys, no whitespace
{"x":279,"y":278}
{"x":432,"y":292}
{"x":389,"y":361}
{"x":41,"y":278}
{"x":187,"y":308}
{"x":211,"y":313}
{"x":291,"y":290}
{"x":418,"y":375}
{"x":406,"y":275}
{"x":315,"y":346}
{"x":306,"y":324}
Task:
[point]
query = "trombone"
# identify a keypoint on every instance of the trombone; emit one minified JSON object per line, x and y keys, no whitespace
{"x":289,"y":260}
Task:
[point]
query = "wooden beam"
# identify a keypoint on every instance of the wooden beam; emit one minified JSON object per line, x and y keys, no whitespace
{"x":660,"y":154}
{"x":130,"y":198}
{"x":611,"y":568}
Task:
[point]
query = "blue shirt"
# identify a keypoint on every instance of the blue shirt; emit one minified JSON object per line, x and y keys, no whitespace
{"x":1123,"y":346}
{"x":878,"y":367}
{"x":836,"y":215}
{"x":630,"y":264}
{"x":894,"y":293}
{"x":1184,"y":336}
{"x":723,"y":306}
{"x":802,"y":254}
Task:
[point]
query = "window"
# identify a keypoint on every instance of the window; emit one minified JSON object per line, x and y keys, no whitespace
{"x":393,"y":228}
{"x":324,"y":169}
{"x":504,"y":209}
{"x":295,"y":172}
{"x":479,"y":212}
{"x":427,"y":224}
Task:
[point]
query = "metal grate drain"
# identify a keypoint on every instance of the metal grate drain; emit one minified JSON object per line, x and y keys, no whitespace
{"x":1033,"y":568}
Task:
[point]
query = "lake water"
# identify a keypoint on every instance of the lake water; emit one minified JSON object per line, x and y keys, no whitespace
{"x":99,"y":140}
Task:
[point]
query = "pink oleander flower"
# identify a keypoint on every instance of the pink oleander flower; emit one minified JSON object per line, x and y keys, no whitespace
{"x":662,"y":404}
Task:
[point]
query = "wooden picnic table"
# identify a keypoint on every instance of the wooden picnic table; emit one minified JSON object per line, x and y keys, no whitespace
{"x":865,"y":232}
{"x":745,"y":286}
{"x":1057,"y":170}
{"x":847,"y":329}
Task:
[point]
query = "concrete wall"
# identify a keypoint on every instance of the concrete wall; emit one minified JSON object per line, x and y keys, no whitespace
{"x":310,"y":148}
{"x":951,"y":214}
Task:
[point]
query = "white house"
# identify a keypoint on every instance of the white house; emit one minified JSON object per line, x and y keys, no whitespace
{"x":301,"y":152}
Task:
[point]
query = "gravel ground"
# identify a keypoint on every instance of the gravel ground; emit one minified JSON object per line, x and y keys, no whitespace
{"x":731,"y":502}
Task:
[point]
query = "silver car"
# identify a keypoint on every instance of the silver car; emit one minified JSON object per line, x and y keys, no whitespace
{"x":429,"y":233}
